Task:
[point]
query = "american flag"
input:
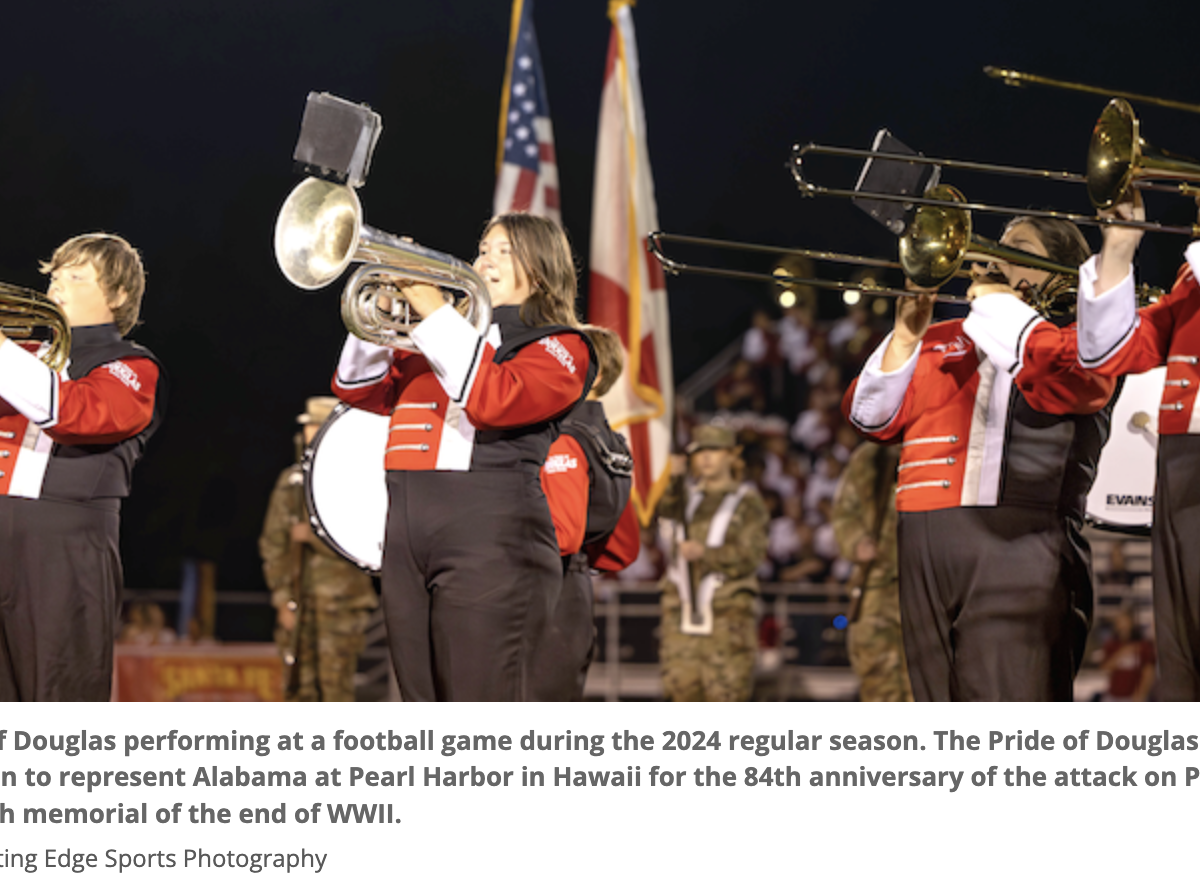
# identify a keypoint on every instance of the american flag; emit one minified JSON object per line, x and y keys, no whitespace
{"x":526,"y":172}
{"x":627,"y":291}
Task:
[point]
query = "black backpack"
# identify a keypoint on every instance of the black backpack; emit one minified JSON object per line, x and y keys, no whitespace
{"x":610,"y":468}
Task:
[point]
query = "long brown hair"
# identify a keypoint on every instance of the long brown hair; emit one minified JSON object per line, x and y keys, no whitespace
{"x":1063,"y":240}
{"x":541,"y":248}
{"x":610,"y":357}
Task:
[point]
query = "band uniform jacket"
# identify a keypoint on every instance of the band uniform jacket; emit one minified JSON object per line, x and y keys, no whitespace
{"x":76,"y":436}
{"x":1121,"y":339}
{"x":468,"y":403}
{"x":471,"y":566}
{"x":988,"y":413}
{"x":68,"y":445}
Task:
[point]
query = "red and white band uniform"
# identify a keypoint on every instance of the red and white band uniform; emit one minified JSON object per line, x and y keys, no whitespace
{"x":593,"y":533}
{"x":68,"y":444}
{"x":1115,"y":338}
{"x":471,"y":564}
{"x":1000,"y":433}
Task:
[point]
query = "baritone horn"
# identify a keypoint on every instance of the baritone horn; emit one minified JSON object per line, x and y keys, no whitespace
{"x":320,"y":232}
{"x":29,"y":315}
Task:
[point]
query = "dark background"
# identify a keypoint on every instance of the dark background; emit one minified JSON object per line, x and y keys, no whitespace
{"x":173,"y":124}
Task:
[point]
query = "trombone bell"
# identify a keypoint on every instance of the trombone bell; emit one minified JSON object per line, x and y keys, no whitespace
{"x":1118,"y":157}
{"x":1114,"y":152}
{"x":936,"y":242}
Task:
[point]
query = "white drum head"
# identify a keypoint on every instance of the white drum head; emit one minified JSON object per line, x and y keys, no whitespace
{"x":346,"y":485}
{"x":1122,"y":498}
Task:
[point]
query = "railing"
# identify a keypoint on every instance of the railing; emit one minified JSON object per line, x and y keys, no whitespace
{"x":781,"y":673}
{"x":800,"y":667}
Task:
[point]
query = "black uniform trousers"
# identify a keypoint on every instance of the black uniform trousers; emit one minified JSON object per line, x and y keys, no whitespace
{"x":565,"y":652}
{"x":60,"y":590}
{"x":1175,"y":536}
{"x":988,"y":604}
{"x":471,"y":572}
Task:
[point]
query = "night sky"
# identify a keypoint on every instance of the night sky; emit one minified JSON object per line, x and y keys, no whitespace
{"x":173,"y":124}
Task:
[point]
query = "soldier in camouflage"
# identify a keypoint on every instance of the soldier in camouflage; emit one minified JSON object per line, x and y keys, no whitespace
{"x":322,"y":602}
{"x":718,"y":531}
{"x":864,"y":521}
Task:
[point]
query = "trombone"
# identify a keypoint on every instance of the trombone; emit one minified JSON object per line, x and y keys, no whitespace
{"x":1017,"y":79}
{"x":656,"y":239}
{"x":933,"y":249}
{"x":29,"y":315}
{"x":1118,"y":158}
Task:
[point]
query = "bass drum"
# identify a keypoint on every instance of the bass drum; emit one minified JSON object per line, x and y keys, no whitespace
{"x":1122,"y":498}
{"x":346,"y":485}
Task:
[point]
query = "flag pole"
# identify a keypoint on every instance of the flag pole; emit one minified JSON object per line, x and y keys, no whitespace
{"x":514,"y":28}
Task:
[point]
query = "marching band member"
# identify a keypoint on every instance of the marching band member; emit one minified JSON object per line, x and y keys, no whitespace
{"x":1116,"y":338}
{"x":1000,"y":433}
{"x":68,"y":445}
{"x":471,"y":565}
{"x":587,"y":480}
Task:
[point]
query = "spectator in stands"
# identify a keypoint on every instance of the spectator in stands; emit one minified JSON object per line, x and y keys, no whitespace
{"x":740,"y":390}
{"x":760,"y":344}
{"x":1129,"y":661}
{"x":814,"y":428}
{"x":761,"y":348}
{"x":796,"y":331}
{"x":783,"y":471}
{"x":855,"y":325}
{"x":146,"y":624}
{"x":804,"y":563}
{"x":822,"y":486}
{"x":845,"y":440}
{"x":1118,"y":567}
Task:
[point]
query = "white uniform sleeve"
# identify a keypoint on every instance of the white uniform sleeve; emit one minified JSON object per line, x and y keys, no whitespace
{"x":878,"y":395}
{"x":1105,"y":320}
{"x":28,"y":384}
{"x":362,"y":363}
{"x":999,"y":325}
{"x":1193,"y":257}
{"x":453,"y":347}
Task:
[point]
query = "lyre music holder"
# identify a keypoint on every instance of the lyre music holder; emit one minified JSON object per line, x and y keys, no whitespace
{"x":337,"y":139}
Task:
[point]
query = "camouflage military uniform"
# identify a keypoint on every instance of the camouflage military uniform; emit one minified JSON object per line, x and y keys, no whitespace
{"x":874,"y":641}
{"x":718,"y":667}
{"x":335,"y":600}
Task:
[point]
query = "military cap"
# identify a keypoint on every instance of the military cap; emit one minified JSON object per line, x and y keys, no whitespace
{"x":712,"y":438}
